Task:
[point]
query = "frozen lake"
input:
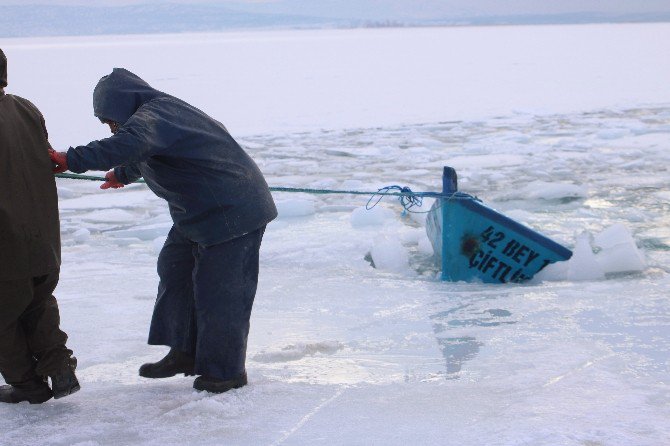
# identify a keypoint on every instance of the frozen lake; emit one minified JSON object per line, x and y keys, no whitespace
{"x":564,"y":128}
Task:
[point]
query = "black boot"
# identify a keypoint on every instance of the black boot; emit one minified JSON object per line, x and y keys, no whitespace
{"x":174,"y":362}
{"x":215,"y":385}
{"x":65,"y":382}
{"x":35,"y":391}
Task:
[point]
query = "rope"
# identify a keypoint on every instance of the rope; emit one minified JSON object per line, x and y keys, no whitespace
{"x":408,"y":199}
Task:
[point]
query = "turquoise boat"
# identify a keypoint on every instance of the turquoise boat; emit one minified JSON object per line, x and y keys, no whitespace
{"x":473,"y":242}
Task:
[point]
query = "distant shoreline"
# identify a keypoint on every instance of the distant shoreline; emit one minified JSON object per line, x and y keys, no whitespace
{"x":15,"y":41}
{"x":21,"y":21}
{"x":324,"y":28}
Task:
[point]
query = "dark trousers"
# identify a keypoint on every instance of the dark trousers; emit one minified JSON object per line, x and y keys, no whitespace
{"x":204,"y":301}
{"x":31,"y":342}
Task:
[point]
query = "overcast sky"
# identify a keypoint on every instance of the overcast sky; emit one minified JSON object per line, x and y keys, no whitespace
{"x":440,"y":6}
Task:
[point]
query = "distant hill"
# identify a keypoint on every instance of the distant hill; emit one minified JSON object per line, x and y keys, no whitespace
{"x":24,"y":21}
{"x":49,"y":20}
{"x":468,"y":11}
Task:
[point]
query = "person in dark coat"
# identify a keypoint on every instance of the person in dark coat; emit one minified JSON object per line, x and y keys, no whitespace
{"x":220,"y":205}
{"x":32,"y":346}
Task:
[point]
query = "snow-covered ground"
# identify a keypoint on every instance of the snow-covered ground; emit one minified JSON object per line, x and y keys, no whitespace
{"x":564,"y":128}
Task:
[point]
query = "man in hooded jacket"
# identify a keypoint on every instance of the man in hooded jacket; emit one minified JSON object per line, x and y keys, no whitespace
{"x":32,"y":346}
{"x":220,"y":205}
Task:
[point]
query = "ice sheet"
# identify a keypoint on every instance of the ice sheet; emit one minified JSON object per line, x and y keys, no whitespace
{"x":342,"y":353}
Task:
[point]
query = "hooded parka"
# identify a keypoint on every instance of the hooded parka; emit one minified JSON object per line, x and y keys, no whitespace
{"x":213,"y":188}
{"x":31,"y":342}
{"x":29,"y":224}
{"x":220,"y":205}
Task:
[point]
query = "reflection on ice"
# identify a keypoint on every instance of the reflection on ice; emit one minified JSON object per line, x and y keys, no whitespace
{"x":466,"y":315}
{"x":458,"y":350}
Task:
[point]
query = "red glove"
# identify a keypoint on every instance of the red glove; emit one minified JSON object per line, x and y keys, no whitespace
{"x":111,"y":181}
{"x":59,"y":161}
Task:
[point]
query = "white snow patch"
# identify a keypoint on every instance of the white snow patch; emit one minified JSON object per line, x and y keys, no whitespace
{"x":618,"y":253}
{"x":481,"y":161}
{"x":295,"y":352}
{"x":543,"y":190}
{"x":418,"y":214}
{"x":157,"y":244}
{"x":295,"y":207}
{"x":356,"y":185}
{"x":377,"y":216}
{"x":424,"y":245}
{"x":389,"y":255}
{"x":613,"y":133}
{"x":65,"y":192}
{"x":146,"y":232}
{"x":106,"y":199}
{"x":81,"y":235}
{"x":553,"y":272}
{"x":109,"y":216}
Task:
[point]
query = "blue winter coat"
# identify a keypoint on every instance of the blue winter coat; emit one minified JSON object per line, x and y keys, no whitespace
{"x":214,"y":189}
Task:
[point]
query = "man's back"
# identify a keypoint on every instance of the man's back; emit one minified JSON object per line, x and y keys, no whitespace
{"x":32,"y":345}
{"x":29,"y":225}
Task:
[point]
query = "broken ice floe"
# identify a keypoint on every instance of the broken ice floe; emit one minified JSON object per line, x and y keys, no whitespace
{"x":616,"y":253}
{"x":295,"y":352}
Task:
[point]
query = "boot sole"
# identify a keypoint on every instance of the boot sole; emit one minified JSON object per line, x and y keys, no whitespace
{"x":166,"y":376}
{"x":67,"y":392}
{"x":10,"y":398}
{"x":36,"y":401}
{"x":29,"y":400}
{"x":39,"y":401}
{"x":217,"y":389}
{"x":222,"y":387}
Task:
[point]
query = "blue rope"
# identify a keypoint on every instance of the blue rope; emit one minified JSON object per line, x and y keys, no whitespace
{"x":408,"y":199}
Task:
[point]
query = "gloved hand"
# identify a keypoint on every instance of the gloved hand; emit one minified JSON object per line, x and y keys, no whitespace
{"x":59,"y":160}
{"x":111,"y":181}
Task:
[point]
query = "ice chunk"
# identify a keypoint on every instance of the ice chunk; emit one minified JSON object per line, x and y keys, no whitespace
{"x":376,"y":216}
{"x":299,"y":351}
{"x":613,"y":133}
{"x":425,"y":246}
{"x":543,"y":190}
{"x":353,"y":185}
{"x":412,"y":235}
{"x":418,"y":213}
{"x":618,"y":253}
{"x":65,"y":193}
{"x":485,"y":160}
{"x":618,"y":250}
{"x":612,"y":236}
{"x":126,"y":241}
{"x":81,"y":235}
{"x":158,"y":243}
{"x":553,"y":272}
{"x":295,"y":207}
{"x":118,"y":199}
{"x":583,"y":264}
{"x":323,"y":183}
{"x":389,"y":255}
{"x":552,"y":191}
{"x":109,"y":216}
{"x":146,"y":232}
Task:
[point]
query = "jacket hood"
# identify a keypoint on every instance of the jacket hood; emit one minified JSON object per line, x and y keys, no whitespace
{"x":3,"y":70}
{"x":119,"y":94}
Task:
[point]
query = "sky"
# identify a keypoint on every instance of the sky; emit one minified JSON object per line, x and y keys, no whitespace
{"x":439,"y":7}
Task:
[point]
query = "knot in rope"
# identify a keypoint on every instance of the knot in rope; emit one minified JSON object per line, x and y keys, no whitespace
{"x":408,"y":199}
